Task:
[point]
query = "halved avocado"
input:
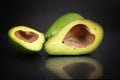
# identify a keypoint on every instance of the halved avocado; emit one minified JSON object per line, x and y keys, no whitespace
{"x":26,"y":38}
{"x":80,"y":36}
{"x":75,"y":67}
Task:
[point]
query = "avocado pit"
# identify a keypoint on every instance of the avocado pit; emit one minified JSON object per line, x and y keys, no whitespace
{"x":26,"y":36}
{"x":79,"y":36}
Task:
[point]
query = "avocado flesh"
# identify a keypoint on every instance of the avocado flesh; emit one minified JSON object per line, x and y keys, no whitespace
{"x":61,"y":22}
{"x":75,"y":67}
{"x":26,"y":39}
{"x":78,"y":37}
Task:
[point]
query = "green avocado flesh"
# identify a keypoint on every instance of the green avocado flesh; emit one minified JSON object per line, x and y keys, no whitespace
{"x":77,"y":37}
{"x":26,"y":39}
{"x":61,"y":22}
{"x":75,"y":67}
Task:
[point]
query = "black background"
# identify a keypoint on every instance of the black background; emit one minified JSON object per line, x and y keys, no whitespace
{"x":40,"y":14}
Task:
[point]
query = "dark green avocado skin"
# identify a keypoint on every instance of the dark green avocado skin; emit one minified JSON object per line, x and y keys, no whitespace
{"x":61,"y":22}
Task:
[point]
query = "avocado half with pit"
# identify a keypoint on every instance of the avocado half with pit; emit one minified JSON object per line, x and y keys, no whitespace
{"x":75,"y":67}
{"x":73,"y":36}
{"x":26,"y":39}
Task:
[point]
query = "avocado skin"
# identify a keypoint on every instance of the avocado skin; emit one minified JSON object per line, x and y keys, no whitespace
{"x":61,"y":22}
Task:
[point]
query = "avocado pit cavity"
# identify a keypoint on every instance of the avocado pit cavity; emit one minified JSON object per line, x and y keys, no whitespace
{"x":79,"y":36}
{"x":27,"y":36}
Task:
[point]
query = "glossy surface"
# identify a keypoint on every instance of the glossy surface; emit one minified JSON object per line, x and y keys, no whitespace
{"x":75,"y":67}
{"x":40,"y":14}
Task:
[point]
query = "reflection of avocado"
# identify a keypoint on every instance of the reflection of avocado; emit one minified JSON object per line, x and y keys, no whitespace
{"x":76,"y":37}
{"x":79,"y":70}
{"x":27,"y":39}
{"x":74,"y":67}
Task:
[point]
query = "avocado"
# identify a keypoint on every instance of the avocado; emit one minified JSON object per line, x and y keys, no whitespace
{"x":26,"y":39}
{"x":74,"y":67}
{"x":76,"y":37}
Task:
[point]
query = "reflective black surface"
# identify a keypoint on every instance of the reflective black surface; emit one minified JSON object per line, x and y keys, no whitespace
{"x":40,"y":14}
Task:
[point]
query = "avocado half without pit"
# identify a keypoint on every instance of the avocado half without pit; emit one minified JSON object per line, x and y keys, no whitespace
{"x":26,"y":39}
{"x":75,"y":36}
